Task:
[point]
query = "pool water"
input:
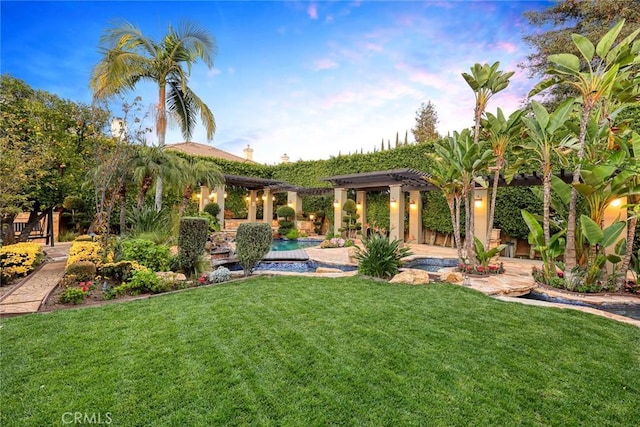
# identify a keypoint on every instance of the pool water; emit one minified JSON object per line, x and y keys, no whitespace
{"x":292,"y":245}
{"x":431,"y":264}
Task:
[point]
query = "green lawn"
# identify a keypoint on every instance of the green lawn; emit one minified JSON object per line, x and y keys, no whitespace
{"x":309,"y":351}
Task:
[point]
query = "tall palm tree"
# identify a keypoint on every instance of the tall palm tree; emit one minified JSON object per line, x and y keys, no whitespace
{"x":501,"y":132}
{"x":195,"y":173}
{"x":130,"y":57}
{"x":604,"y":70}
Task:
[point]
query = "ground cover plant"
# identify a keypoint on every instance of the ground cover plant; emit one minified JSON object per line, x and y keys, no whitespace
{"x":318,"y":351}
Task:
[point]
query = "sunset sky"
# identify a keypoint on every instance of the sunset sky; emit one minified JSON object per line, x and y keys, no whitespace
{"x":310,"y":79}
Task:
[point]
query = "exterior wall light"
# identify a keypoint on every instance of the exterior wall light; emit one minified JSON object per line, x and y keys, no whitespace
{"x":393,"y":203}
{"x":477,"y":202}
{"x":616,"y":203}
{"x":412,"y":204}
{"x":336,"y":204}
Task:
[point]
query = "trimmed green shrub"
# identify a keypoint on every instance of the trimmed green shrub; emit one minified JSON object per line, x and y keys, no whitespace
{"x":192,"y":238}
{"x":73,"y":296}
{"x":380,"y":257}
{"x":119,"y":271}
{"x":293,"y":234}
{"x":143,"y":281}
{"x":82,"y":270}
{"x":147,"y":253}
{"x":253,"y":242}
{"x":286,"y":224}
{"x":212,"y":209}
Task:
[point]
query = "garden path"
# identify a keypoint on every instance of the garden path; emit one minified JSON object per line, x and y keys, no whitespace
{"x":27,"y":296}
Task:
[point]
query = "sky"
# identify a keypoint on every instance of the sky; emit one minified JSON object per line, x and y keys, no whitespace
{"x":312,"y":79}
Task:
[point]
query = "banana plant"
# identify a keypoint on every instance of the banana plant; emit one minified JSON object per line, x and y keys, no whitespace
{"x":605,"y":73}
{"x":550,"y":249}
{"x":483,"y":255}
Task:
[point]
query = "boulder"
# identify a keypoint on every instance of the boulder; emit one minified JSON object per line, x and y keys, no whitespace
{"x":171,"y":276}
{"x":411,"y":277}
{"x":452,"y":277}
{"x":326,"y":270}
{"x":351,"y":252}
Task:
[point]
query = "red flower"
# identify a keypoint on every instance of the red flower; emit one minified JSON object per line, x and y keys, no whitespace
{"x":202,"y":279}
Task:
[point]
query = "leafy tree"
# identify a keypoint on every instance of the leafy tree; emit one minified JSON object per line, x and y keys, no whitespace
{"x":551,"y":30}
{"x":45,"y":148}
{"x":426,"y":122}
{"x":131,"y":57}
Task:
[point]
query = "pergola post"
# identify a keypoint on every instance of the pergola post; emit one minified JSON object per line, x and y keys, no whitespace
{"x":267,"y":206}
{"x":415,"y":217}
{"x":294,"y":201}
{"x":396,"y":212}
{"x":218,"y":198}
{"x":203,"y":198}
{"x":480,"y":213}
{"x":361,"y":206}
{"x":340,"y":195}
{"x":252,"y":205}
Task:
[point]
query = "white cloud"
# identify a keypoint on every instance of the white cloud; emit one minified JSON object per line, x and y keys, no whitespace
{"x":324,"y":64}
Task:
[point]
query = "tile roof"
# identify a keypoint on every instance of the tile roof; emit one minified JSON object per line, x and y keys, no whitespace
{"x":197,"y":149}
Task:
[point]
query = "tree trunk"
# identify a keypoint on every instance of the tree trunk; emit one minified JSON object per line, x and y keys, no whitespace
{"x":142,"y":193}
{"x":546,"y":222}
{"x":456,"y":227}
{"x":631,"y":234}
{"x":161,"y":131}
{"x":186,"y":196}
{"x":123,"y":208}
{"x":570,"y":249}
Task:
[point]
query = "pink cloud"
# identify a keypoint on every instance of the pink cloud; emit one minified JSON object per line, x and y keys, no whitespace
{"x":324,"y":64}
{"x":506,"y":46}
{"x":312,"y":11}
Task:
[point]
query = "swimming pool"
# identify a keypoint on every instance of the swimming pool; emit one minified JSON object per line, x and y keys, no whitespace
{"x":292,"y":245}
{"x":431,"y":264}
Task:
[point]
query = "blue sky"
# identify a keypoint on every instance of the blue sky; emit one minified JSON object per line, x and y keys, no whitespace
{"x":310,"y":79}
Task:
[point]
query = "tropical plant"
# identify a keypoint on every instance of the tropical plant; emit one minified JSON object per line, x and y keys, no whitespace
{"x":550,"y":248}
{"x":253,"y":242}
{"x":380,"y":257}
{"x":149,"y":163}
{"x":195,"y":173}
{"x":500,"y":133}
{"x":610,"y":73}
{"x":483,"y":255}
{"x":130,"y":57}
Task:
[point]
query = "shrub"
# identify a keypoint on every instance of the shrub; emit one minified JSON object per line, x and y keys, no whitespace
{"x":143,"y":281}
{"x":192,"y":238}
{"x":287,"y":213}
{"x":221,"y":274}
{"x":293,"y":234}
{"x":253,"y":241}
{"x":81,"y":250}
{"x":82,"y":270}
{"x":212,"y":209}
{"x":73,"y":296}
{"x":147,"y":253}
{"x":119,"y":271}
{"x":19,"y":259}
{"x":380,"y":257}
{"x":68,"y":236}
{"x":86,"y":238}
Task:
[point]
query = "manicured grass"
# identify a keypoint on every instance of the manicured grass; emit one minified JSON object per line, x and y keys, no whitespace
{"x":310,"y":351}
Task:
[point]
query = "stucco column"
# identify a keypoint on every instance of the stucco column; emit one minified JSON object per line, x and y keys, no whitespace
{"x":267,"y":206}
{"x":294,"y":201}
{"x":218,"y":198}
{"x":415,"y":217}
{"x":252,"y":205}
{"x":361,"y":206}
{"x":481,"y":213}
{"x":396,"y":212}
{"x":340,"y":196}
{"x":204,"y":197}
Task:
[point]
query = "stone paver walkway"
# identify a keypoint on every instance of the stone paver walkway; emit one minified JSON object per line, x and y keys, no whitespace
{"x":27,"y":297}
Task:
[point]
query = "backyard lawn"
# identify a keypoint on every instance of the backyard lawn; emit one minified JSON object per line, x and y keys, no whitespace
{"x":312,"y":351}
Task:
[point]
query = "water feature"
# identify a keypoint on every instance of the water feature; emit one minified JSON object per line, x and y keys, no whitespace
{"x":431,"y":264}
{"x":628,"y":310}
{"x":292,"y":245}
{"x":291,"y":266}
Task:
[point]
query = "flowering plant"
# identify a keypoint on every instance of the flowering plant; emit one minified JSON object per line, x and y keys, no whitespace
{"x":481,"y":269}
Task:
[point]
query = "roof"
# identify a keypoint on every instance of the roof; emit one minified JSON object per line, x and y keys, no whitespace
{"x":197,"y":149}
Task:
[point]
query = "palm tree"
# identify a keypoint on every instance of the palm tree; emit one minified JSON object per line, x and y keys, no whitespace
{"x":605,"y":70}
{"x":130,"y":57}
{"x":196,"y":173}
{"x":501,"y":132}
{"x":149,"y":163}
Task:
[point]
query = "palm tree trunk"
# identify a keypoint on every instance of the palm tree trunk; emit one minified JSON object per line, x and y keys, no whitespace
{"x":142,"y":193}
{"x":492,"y":206}
{"x":570,"y":249}
{"x":161,"y":131}
{"x":631,"y":235}
{"x":123,"y":208}
{"x":186,"y":196}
